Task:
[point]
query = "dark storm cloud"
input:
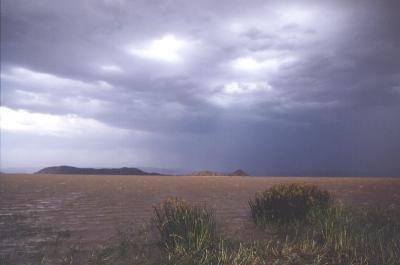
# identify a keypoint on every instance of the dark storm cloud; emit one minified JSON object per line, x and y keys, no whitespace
{"x":276,"y":87}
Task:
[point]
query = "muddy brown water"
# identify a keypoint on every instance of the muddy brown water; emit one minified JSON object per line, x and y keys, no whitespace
{"x":37,"y":210}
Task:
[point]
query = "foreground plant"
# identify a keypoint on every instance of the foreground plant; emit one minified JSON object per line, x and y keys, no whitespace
{"x":355,"y":236}
{"x":184,"y":227}
{"x":308,"y":229}
{"x":287,"y":203}
{"x":188,"y":236}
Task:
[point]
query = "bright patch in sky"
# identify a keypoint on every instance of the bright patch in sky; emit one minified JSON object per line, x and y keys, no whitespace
{"x":241,"y":94}
{"x":23,"y":78}
{"x":112,"y":68}
{"x":165,"y":49}
{"x":56,"y":125}
{"x":245,"y":87}
{"x":249,"y":64}
{"x":301,"y":15}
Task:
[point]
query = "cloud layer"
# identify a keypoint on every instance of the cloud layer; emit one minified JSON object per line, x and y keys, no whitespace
{"x":274,"y":87}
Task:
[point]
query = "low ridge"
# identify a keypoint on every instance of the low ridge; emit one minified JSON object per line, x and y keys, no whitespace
{"x":94,"y":171}
{"x":238,"y":172}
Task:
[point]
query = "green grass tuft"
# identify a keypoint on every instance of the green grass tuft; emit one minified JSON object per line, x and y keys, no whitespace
{"x":355,"y":236}
{"x":288,"y":203}
{"x":188,"y":236}
{"x":183,"y":227}
{"x":308,"y":229}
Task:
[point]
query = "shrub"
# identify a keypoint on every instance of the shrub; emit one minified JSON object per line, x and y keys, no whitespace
{"x":184,"y":227}
{"x":288,"y":202}
{"x":343,"y":235}
{"x":188,"y":236}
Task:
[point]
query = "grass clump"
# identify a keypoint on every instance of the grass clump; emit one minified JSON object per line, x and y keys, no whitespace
{"x":183,"y":227}
{"x":188,"y":236}
{"x":286,"y":203}
{"x":306,"y":228}
{"x":354,"y":235}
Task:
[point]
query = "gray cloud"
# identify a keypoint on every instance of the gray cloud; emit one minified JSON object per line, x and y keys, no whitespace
{"x":276,"y":87}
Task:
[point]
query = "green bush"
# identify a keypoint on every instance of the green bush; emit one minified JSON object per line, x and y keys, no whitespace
{"x":343,"y":235}
{"x":188,"y":236}
{"x":288,"y":202}
{"x":183,"y":227}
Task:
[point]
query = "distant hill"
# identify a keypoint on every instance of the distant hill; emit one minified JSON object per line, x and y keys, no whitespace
{"x":238,"y":172}
{"x":94,"y":171}
{"x":205,"y":173}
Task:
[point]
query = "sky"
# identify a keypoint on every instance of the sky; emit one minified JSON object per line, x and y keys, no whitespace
{"x":271,"y":87}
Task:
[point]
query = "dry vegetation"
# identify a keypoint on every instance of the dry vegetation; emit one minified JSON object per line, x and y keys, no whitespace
{"x":59,"y":219}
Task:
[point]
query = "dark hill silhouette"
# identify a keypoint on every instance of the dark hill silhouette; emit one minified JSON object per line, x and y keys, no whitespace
{"x":94,"y":171}
{"x":238,"y":172}
{"x":205,"y":173}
